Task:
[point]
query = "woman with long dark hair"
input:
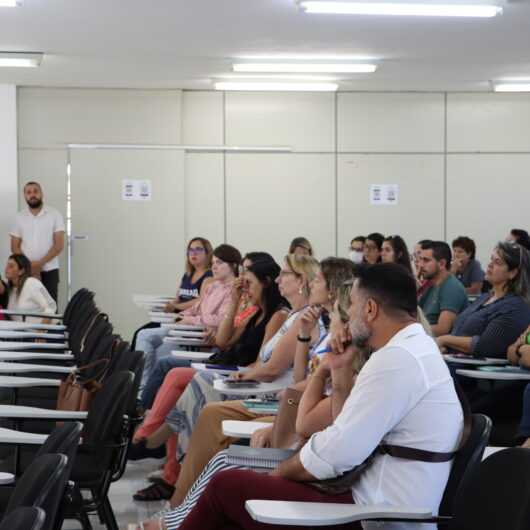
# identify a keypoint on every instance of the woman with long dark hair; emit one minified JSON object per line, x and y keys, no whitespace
{"x":25,"y":292}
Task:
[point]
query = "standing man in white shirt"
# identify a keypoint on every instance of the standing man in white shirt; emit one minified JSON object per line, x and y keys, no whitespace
{"x":403,"y":397}
{"x":38,"y":232}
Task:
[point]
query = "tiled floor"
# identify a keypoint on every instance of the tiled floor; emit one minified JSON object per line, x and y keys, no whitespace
{"x":126,"y":510}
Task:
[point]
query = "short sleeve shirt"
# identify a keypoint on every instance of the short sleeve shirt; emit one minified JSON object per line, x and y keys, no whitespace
{"x":36,"y":232}
{"x":448,"y":296}
{"x":473,"y":273}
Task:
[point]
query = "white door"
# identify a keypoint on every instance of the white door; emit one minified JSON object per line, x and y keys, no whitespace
{"x":123,"y":247}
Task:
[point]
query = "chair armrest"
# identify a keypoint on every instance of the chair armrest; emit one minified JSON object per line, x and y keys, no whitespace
{"x":7,"y":381}
{"x":32,"y":356}
{"x":242,"y":429}
{"x":23,"y":346}
{"x":260,"y":390}
{"x":13,"y":334}
{"x":20,"y":368}
{"x":327,"y":514}
{"x":53,"y":316}
{"x":191,"y":355}
{"x":20,"y":412}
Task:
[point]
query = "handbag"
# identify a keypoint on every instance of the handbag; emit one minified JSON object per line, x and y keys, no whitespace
{"x":284,"y":428}
{"x":77,"y":395}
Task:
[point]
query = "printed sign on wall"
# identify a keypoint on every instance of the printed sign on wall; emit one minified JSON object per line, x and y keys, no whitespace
{"x":136,"y":190}
{"x":384,"y":194}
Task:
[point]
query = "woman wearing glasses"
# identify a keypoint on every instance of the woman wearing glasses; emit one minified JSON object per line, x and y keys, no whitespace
{"x":196,"y":276}
{"x":496,"y":319}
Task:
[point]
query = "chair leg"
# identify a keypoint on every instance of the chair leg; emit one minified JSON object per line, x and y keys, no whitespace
{"x":110,"y":518}
{"x":82,"y":515}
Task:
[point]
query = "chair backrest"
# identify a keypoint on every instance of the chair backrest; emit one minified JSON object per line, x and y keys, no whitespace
{"x":42,"y":485}
{"x":498,"y":497}
{"x":63,"y":440}
{"x":27,"y":518}
{"x":73,"y":306}
{"x":130,"y":361}
{"x":466,"y":461}
{"x":105,"y":418}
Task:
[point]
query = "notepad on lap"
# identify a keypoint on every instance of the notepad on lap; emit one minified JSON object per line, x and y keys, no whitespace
{"x":241,"y":455}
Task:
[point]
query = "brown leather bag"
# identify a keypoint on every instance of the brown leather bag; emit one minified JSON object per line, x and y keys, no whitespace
{"x":77,"y":395}
{"x":284,"y":429}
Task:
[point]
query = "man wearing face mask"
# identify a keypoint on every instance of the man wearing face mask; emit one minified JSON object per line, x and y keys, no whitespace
{"x":357,"y":249}
{"x":38,"y":232}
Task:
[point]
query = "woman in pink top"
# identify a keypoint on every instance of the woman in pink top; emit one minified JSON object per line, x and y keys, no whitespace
{"x":207,"y":311}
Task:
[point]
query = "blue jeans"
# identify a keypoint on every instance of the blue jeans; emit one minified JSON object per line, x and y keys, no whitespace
{"x":156,"y":377}
{"x":524,"y":427}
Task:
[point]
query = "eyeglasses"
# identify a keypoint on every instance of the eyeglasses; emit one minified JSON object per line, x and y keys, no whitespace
{"x":196,"y":250}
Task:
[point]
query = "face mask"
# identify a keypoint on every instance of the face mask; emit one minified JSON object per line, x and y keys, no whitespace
{"x":356,"y":256}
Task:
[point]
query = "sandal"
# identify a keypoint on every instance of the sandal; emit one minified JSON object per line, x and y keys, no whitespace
{"x":161,"y":491}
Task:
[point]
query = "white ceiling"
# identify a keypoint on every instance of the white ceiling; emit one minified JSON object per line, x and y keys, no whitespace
{"x":186,"y":43}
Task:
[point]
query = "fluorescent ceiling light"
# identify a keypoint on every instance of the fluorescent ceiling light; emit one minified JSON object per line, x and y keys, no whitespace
{"x":285,"y":87}
{"x":20,"y":59}
{"x":308,"y":68}
{"x":398,"y":9}
{"x":282,"y":77}
{"x":10,"y":3}
{"x":512,"y":87}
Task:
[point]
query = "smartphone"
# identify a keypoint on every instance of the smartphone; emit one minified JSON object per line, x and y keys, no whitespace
{"x":241,"y":383}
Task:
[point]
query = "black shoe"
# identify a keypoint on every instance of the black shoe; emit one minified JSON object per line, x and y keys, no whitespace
{"x":139,"y":451}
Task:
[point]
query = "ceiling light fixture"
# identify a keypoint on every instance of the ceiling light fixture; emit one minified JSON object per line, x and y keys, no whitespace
{"x":398,"y":9}
{"x":278,"y":87}
{"x":512,"y":87}
{"x":20,"y":59}
{"x":10,"y":3}
{"x":307,"y":68}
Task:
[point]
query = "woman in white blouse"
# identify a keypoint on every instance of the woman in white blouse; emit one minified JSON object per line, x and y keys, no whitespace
{"x":25,"y":292}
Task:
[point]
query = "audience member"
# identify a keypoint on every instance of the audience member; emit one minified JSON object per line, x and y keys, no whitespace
{"x":465,"y":267}
{"x":519,"y":236}
{"x":421,"y":283}
{"x":496,"y":319}
{"x":38,"y":233}
{"x":26,"y":293}
{"x":446,"y":297}
{"x":372,"y":248}
{"x":404,"y":381}
{"x":197,"y":270}
{"x":357,"y":249}
{"x":394,"y":250}
{"x":300,"y":246}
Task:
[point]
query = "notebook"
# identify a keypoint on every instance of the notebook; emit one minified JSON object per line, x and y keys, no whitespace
{"x":241,"y":455}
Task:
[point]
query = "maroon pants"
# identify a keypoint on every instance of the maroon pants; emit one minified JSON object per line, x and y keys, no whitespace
{"x":222,"y":504}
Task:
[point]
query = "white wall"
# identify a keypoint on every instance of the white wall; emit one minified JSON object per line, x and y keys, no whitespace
{"x":8,"y":166}
{"x":462,"y":160}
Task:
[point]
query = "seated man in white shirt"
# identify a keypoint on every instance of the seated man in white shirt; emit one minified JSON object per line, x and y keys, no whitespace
{"x":403,"y":396}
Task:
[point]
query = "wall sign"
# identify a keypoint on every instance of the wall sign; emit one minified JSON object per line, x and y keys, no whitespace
{"x":136,"y":190}
{"x":384,"y":194}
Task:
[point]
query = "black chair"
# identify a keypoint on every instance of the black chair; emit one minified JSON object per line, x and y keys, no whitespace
{"x":498,"y":495}
{"x":466,"y":462}
{"x":27,"y":518}
{"x":98,"y":458}
{"x":42,"y":486}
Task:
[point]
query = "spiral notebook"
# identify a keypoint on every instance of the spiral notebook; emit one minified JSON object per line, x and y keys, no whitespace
{"x":241,"y":455}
